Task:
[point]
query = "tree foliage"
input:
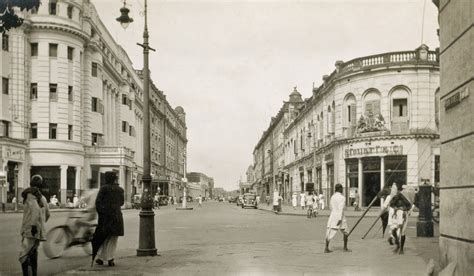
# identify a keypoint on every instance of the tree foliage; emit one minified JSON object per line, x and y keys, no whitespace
{"x":8,"y":18}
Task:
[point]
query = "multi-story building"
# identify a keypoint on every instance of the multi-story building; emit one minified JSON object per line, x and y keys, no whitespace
{"x":72,"y":106}
{"x":269,"y":152}
{"x":371,"y":122}
{"x":456,"y":35}
{"x":200,"y":184}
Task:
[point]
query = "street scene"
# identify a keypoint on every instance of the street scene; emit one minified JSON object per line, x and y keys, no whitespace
{"x":222,"y":238}
{"x":147,"y":137}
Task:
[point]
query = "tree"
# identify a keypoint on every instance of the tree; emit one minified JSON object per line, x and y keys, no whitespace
{"x":8,"y":18}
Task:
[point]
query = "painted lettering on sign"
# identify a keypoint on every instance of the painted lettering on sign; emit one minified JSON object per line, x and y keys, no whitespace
{"x":14,"y":154}
{"x":456,"y":98}
{"x":377,"y":150}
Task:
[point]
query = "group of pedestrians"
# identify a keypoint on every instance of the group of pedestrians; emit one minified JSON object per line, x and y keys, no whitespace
{"x":108,"y":202}
{"x":312,"y":201}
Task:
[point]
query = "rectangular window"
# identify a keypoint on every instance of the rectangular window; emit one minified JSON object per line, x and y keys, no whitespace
{"x":53,"y":92}
{"x":97,"y":139}
{"x":34,"y":131}
{"x":124,"y":99}
{"x":70,"y":53}
{"x":52,"y":7}
{"x":34,"y":91}
{"x":94,"y":69}
{"x":4,"y":129}
{"x":70,"y":93}
{"x":53,"y":50}
{"x":69,"y":132}
{"x":400,"y":108}
{"x":5,"y":86}
{"x":53,"y":128}
{"x":437,"y":169}
{"x":5,"y":42}
{"x":69,"y":11}
{"x":34,"y":49}
{"x":95,"y":106}
{"x":125,"y":126}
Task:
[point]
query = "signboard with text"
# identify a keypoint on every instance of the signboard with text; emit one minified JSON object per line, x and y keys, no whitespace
{"x":373,"y":151}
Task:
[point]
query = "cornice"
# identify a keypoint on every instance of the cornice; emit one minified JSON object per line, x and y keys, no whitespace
{"x":61,"y":28}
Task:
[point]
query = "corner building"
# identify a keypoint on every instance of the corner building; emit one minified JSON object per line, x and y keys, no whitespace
{"x":72,"y":105}
{"x":373,"y":121}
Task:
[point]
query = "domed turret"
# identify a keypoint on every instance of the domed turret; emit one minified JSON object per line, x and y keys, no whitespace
{"x":295,"y":96}
{"x":180,"y":112}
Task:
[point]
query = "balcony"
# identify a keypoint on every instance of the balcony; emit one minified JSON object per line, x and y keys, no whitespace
{"x":109,"y":151}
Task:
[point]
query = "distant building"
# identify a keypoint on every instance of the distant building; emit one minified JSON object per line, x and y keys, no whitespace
{"x":200,"y":184}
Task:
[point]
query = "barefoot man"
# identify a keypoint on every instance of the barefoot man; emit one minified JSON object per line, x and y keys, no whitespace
{"x":337,"y":220}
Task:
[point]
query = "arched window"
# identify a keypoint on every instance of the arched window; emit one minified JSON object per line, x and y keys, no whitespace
{"x":333,"y":117}
{"x":350,"y":110}
{"x":372,"y":103}
{"x":329,"y":119}
{"x":399,"y":110}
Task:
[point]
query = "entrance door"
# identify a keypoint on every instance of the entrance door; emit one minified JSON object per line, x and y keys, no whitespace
{"x":371,"y":180}
{"x":330,"y":181}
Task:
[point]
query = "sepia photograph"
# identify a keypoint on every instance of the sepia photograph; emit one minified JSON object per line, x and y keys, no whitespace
{"x":237,"y":137}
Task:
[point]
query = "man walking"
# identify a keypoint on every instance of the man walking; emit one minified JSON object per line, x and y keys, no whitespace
{"x":302,"y":200}
{"x":402,"y":205}
{"x":35,"y":215}
{"x":337,"y":219}
{"x":110,"y":223}
{"x":294,"y":201}
{"x":200,"y":201}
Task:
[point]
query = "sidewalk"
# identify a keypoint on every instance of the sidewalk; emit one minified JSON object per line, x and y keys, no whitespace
{"x":287,"y":210}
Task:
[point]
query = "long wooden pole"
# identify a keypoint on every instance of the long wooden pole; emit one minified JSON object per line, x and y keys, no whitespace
{"x":363,"y":214}
{"x":373,"y":224}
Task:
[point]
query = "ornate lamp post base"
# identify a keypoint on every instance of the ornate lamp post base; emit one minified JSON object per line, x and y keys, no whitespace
{"x":147,"y":235}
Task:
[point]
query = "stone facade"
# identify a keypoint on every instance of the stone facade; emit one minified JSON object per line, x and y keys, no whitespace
{"x":456,"y":20}
{"x":73,"y":108}
{"x":200,"y":184}
{"x":371,"y":122}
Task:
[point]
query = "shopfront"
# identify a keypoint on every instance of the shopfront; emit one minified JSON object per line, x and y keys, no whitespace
{"x":370,"y":167}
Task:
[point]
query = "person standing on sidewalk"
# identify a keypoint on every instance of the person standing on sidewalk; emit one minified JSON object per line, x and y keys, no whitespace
{"x":337,"y":220}
{"x":200,"y":201}
{"x":267,"y":199}
{"x":321,"y":201}
{"x":302,"y":200}
{"x":110,"y":223}
{"x":35,"y":215}
{"x":294,"y":201}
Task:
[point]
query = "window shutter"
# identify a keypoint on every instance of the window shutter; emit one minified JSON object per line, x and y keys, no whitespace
{"x":376,"y":105}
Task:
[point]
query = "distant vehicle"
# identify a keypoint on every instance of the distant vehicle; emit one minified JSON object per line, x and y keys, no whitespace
{"x":249,"y":200}
{"x":188,"y":199}
{"x":240,"y":200}
{"x":221,"y":199}
{"x":233,"y":199}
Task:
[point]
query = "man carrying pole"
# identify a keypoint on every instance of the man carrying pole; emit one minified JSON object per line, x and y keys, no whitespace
{"x":337,"y":219}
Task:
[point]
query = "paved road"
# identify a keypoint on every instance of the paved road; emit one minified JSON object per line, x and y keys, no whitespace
{"x":221,"y":238}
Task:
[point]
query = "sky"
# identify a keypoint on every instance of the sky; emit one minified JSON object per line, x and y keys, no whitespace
{"x":231,"y":64}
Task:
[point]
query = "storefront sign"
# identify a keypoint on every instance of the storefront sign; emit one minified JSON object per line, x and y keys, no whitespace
{"x":377,"y":150}
{"x":456,"y":98}
{"x":11,"y":153}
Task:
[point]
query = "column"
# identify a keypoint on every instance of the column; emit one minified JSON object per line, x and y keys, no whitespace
{"x":63,"y":184}
{"x":77,"y":184}
{"x":382,"y":176}
{"x":122,"y":180}
{"x":359,"y":181}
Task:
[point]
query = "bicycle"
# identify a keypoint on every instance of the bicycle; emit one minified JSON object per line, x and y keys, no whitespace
{"x":62,"y":237}
{"x":311,"y":212}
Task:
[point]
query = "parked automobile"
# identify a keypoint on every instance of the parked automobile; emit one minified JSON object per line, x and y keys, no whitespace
{"x":233,"y":199}
{"x":240,"y":200}
{"x":188,"y":199}
{"x":249,"y":200}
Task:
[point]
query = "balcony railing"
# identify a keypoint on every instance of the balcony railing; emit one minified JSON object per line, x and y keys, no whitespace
{"x":394,"y":58}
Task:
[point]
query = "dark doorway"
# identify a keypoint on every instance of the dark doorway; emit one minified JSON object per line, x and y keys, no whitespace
{"x":371,"y":180}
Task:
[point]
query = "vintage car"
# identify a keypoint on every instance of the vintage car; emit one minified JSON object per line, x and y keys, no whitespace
{"x":249,"y":200}
{"x":239,"y":200}
{"x":233,"y":199}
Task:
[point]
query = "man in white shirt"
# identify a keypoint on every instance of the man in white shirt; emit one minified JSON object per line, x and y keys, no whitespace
{"x":337,"y":219}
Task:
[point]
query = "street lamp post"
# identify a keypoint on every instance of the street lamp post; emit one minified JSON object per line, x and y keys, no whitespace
{"x":146,"y":238}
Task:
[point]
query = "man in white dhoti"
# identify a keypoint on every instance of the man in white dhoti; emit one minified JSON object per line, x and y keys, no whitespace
{"x":302,"y":200}
{"x":402,"y":205}
{"x":337,"y":219}
{"x":294,"y":201}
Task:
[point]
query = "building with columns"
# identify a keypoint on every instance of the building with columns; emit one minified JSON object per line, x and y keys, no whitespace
{"x":373,"y":121}
{"x":72,"y":107}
